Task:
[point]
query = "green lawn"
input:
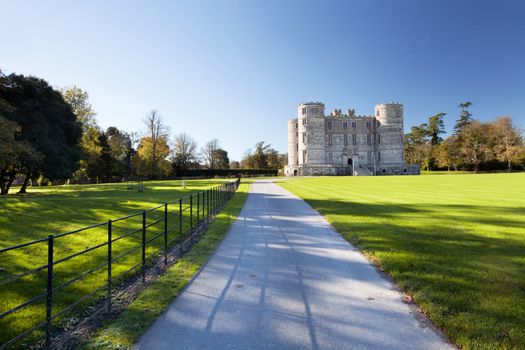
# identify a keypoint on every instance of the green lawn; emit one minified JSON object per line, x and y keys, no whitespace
{"x":59,"y":209}
{"x":143,"y":311}
{"x":455,"y":243}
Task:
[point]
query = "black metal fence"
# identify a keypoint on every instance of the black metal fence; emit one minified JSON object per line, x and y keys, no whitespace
{"x":33,"y":299}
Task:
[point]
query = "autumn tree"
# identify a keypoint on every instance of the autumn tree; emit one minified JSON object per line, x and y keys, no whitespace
{"x":153,"y":150}
{"x":508,"y":141}
{"x":475,"y":143}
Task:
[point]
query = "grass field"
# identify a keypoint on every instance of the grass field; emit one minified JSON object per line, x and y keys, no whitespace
{"x":455,"y":243}
{"x":60,"y":209}
{"x":143,"y":311}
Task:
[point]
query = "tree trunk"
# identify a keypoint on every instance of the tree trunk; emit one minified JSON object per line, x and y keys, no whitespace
{"x":476,"y":168}
{"x":6,"y":183}
{"x":509,"y":166}
{"x":26,"y":181}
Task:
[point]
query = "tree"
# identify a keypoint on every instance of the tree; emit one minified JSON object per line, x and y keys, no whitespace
{"x":185,"y":152}
{"x":235,"y":164}
{"x":208,"y":153}
{"x":102,"y":166}
{"x":416,"y":145}
{"x":46,"y":123}
{"x":12,"y":154}
{"x":221,"y":159}
{"x":121,"y":148}
{"x":448,"y":153}
{"x":79,"y":101}
{"x":508,"y":141}
{"x":263,"y":157}
{"x":153,"y":148}
{"x":475,"y":143}
{"x":143,"y":162}
{"x":465,"y":117}
{"x":435,"y":128}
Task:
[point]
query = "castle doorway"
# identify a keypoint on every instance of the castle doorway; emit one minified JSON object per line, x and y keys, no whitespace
{"x":295,"y":172}
{"x":350,"y":161}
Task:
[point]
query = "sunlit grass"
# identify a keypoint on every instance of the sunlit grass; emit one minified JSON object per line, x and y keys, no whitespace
{"x":55,"y":210}
{"x":142,"y":312}
{"x":456,"y":243}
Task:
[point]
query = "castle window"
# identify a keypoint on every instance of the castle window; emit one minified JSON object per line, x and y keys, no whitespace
{"x":296,"y":125}
{"x":304,"y":121}
{"x":303,"y":111}
{"x":304,"y":137}
{"x":330,"y":157}
{"x":346,"y":140}
{"x":345,"y":125}
{"x":368,"y":124}
{"x":378,"y":156}
{"x":378,"y":139}
{"x":304,"y":156}
{"x":329,"y":124}
{"x":354,"y":124}
{"x":369,"y":139}
{"x":330,"y":139}
{"x":354,"y":139}
{"x":369,"y":156}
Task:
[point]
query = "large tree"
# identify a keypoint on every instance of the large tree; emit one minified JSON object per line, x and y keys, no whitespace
{"x":508,"y":141}
{"x":153,"y":150}
{"x":46,"y":122}
{"x":475,"y":143}
{"x":435,"y":128}
{"x":79,"y":101}
{"x":185,"y":152}
{"x":121,"y":149}
{"x":208,"y":153}
{"x":465,"y":117}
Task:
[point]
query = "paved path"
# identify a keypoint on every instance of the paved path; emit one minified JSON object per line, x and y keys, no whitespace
{"x":284,"y":279}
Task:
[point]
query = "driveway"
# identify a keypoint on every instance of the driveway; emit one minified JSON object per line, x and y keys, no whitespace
{"x":283,"y":278}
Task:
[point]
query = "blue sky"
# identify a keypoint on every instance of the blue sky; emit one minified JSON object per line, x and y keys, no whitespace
{"x":236,"y":70}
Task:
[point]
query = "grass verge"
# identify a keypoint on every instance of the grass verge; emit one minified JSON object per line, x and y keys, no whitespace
{"x":151,"y":302}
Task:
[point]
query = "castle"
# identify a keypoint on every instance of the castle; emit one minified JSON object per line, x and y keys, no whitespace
{"x":347,"y":144}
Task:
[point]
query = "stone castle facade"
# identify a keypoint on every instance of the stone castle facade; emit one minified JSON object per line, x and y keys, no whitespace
{"x":347,"y":144}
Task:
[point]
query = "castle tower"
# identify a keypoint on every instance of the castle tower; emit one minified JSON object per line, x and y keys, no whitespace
{"x":390,"y":133}
{"x":311,"y":135}
{"x":293,"y":131}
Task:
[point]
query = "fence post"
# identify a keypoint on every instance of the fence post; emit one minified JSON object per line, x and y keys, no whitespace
{"x":191,"y":213}
{"x":180,"y":226}
{"x":166,"y":234}
{"x":143,"y":246}
{"x":110,"y":281}
{"x":208,"y":202}
{"x":198,"y":207}
{"x":49,"y":299}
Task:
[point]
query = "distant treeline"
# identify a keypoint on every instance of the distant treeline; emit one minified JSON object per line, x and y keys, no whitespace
{"x":473,"y":145}
{"x":53,"y":136}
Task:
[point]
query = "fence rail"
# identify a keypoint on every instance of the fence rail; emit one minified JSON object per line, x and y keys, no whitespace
{"x":152,"y":232}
